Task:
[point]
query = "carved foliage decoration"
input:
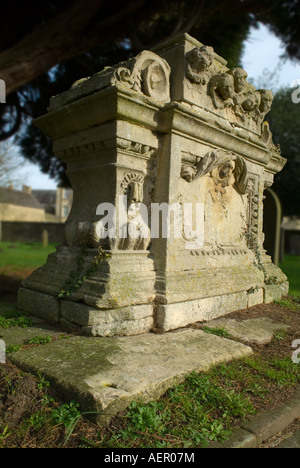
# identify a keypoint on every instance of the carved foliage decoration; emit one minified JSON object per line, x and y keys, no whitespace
{"x":123,"y":75}
{"x":149,"y":74}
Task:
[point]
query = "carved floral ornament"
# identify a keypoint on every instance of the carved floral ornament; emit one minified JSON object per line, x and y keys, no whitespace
{"x":228,"y":89}
{"x":150,"y":75}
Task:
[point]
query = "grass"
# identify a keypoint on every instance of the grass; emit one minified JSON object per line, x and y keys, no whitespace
{"x":204,"y":408}
{"x":291,"y":267}
{"x":289,"y":304}
{"x":10,"y":316}
{"x":16,"y":256}
{"x":191,"y":414}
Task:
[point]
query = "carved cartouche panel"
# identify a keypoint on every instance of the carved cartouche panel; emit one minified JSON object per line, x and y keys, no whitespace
{"x":149,"y":74}
{"x":220,"y":182}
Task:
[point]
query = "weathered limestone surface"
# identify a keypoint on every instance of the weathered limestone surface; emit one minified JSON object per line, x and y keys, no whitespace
{"x":171,"y":126}
{"x":105,"y":374}
{"x":39,"y":304}
{"x":260,"y":330}
{"x":122,"y":321}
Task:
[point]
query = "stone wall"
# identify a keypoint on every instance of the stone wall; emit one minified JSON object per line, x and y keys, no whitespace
{"x":30,"y":232}
{"x":13,"y":213}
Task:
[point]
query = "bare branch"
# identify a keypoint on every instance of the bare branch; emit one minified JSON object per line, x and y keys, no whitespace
{"x":10,"y":163}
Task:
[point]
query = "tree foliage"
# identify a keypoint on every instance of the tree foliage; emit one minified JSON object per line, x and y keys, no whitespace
{"x":45,"y":48}
{"x":284,"y":120}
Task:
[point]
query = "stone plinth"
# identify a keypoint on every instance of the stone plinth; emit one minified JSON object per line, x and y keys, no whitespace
{"x":172,"y":126}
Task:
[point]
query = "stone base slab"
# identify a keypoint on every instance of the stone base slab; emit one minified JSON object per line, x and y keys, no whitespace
{"x":39,"y":304}
{"x":104,"y":375}
{"x":122,"y":321}
{"x":274,"y":292}
{"x":142,"y":318}
{"x":256,"y":330}
{"x":180,"y":314}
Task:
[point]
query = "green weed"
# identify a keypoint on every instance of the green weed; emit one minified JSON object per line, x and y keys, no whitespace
{"x":67,"y":415}
{"x":289,"y":304}
{"x":21,"y":321}
{"x":42,"y":383}
{"x":13,"y":348}
{"x":38,"y":420}
{"x":217,"y":331}
{"x":4,"y":435}
{"x":280,"y":335}
{"x":40,"y":339}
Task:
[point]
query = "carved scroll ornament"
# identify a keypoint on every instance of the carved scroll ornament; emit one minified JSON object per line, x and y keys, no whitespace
{"x":226,"y":169}
{"x":149,"y":74}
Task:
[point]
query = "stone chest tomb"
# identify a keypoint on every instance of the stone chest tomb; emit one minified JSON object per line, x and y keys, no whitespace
{"x":173,"y":126}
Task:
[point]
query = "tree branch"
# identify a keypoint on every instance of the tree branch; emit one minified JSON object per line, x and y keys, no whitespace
{"x":67,"y":35}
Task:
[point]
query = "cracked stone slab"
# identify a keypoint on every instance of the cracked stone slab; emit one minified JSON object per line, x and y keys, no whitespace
{"x":258,"y":330}
{"x":105,"y":374}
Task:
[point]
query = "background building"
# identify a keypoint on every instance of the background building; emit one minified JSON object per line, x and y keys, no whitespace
{"x":16,"y":205}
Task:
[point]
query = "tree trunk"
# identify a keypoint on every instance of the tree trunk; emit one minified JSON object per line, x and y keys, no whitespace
{"x":67,"y":35}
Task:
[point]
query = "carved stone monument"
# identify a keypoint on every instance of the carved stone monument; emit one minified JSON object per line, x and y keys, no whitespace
{"x":172,"y":127}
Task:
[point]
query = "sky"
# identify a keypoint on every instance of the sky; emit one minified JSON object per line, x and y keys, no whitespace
{"x":262,"y":51}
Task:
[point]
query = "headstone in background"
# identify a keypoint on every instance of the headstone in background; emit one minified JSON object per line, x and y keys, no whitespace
{"x":45,"y":238}
{"x":272,"y":225}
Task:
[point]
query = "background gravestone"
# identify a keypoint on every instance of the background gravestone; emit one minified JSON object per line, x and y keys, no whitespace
{"x":272,"y":225}
{"x":173,"y":125}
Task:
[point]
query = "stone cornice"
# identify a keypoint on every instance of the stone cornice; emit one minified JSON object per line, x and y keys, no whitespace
{"x":121,"y":103}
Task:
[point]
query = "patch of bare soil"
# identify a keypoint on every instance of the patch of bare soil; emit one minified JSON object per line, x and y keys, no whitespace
{"x":9,"y":274}
{"x":19,"y":393}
